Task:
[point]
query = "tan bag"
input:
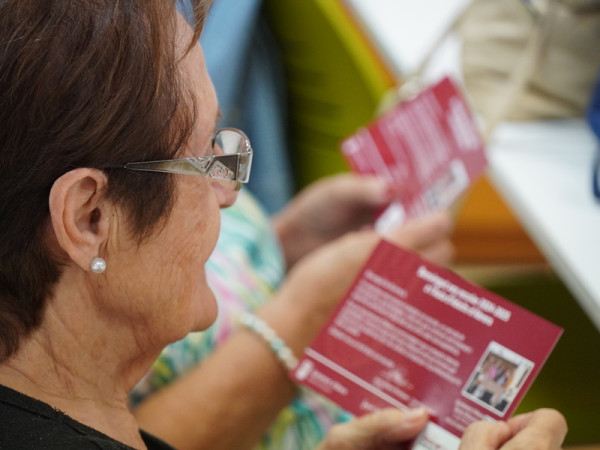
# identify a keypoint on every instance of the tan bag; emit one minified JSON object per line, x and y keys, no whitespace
{"x":528,"y":60}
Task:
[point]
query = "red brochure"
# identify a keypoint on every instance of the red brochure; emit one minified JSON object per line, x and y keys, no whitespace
{"x":429,"y":147}
{"x":409,"y":333}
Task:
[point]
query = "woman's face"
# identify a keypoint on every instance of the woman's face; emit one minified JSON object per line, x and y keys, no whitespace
{"x":164,"y":279}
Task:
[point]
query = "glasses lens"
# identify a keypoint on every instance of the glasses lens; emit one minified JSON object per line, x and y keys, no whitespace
{"x":235,"y":165}
{"x":229,"y":141}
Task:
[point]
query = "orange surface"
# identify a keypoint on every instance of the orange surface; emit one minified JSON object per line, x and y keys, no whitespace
{"x":486,"y":230}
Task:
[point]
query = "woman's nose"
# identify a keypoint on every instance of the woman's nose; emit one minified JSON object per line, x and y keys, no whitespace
{"x":226,"y":195}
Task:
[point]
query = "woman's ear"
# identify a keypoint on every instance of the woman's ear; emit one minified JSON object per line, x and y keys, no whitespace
{"x":79,"y":215}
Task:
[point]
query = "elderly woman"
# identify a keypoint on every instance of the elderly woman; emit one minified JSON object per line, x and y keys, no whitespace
{"x":102,"y":252}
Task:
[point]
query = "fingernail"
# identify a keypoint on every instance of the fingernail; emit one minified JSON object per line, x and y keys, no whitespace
{"x":416,"y":414}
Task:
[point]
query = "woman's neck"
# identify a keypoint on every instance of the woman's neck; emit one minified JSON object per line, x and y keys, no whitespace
{"x":83,"y":371}
{"x":107,"y":414}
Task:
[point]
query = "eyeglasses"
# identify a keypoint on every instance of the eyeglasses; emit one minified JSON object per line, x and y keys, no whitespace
{"x":231,"y":162}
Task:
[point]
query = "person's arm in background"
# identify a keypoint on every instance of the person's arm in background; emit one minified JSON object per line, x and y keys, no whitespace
{"x":233,"y":396}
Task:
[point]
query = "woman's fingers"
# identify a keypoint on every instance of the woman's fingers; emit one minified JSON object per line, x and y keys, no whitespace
{"x":428,"y":235}
{"x":485,"y":436}
{"x":379,"y":430}
{"x":543,"y":429}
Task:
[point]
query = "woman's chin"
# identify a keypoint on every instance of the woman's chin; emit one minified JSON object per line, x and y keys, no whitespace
{"x":207,"y":312}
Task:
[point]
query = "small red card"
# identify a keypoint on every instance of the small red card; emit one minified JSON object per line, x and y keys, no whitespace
{"x":409,"y":333}
{"x":429,"y":147}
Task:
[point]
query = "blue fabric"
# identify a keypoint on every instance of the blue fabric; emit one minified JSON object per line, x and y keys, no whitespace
{"x":243,"y":61}
{"x":594,"y":121}
{"x":594,"y":110}
{"x":227,"y":43}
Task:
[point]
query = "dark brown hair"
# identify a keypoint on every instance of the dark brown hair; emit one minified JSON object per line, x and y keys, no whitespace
{"x":83,"y":83}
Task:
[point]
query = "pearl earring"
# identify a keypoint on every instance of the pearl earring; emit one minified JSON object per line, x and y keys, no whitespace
{"x":98,"y":265}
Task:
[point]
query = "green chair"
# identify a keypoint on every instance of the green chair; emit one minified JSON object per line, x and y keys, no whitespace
{"x":335,"y":80}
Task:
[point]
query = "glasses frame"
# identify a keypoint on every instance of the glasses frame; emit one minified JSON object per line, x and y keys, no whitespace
{"x":232,"y":167}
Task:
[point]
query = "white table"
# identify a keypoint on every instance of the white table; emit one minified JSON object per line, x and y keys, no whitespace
{"x":404,"y":30}
{"x":542,"y":170}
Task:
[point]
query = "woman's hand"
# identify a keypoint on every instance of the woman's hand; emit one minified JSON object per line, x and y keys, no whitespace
{"x":377,"y":431}
{"x":328,"y":209}
{"x":543,"y":429}
{"x":329,"y":270}
{"x":318,"y":282}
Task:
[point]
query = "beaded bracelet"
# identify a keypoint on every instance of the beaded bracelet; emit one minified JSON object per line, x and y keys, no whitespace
{"x":276,"y":344}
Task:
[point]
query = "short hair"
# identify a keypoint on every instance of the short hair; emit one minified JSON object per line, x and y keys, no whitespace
{"x":83,"y":83}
